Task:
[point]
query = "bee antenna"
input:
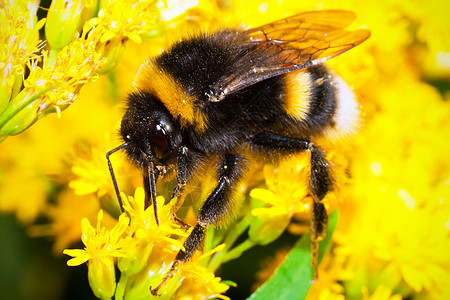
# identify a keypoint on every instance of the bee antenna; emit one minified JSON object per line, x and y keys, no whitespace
{"x":113,"y":176}
{"x":152,"y":185}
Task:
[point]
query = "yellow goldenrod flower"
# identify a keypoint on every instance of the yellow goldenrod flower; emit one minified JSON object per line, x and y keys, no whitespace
{"x":119,"y":21}
{"x":286,"y":194}
{"x":153,"y":253}
{"x":148,"y":235}
{"x":143,"y":252}
{"x":200,"y":283}
{"x":124,"y":19}
{"x":283,"y":196}
{"x":19,"y":40}
{"x":52,"y":86}
{"x":92,"y":176}
{"x":102,"y":248}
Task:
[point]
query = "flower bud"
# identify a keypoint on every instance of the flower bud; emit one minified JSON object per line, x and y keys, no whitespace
{"x":63,"y":20}
{"x":102,"y":277}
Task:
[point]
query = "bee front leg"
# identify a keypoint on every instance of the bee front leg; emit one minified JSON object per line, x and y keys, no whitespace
{"x":188,"y":161}
{"x":185,"y":169}
{"x":320,"y":182}
{"x":216,"y":207}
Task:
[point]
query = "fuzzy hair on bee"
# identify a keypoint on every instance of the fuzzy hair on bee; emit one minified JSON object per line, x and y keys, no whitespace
{"x":226,"y":95}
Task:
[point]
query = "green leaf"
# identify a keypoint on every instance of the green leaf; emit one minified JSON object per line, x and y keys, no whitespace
{"x":294,"y":276}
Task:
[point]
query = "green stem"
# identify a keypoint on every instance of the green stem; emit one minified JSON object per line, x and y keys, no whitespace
{"x":230,"y":239}
{"x":238,"y":250}
{"x":121,"y":285}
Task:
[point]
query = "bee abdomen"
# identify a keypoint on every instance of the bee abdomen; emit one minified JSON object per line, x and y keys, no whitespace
{"x":320,"y":102}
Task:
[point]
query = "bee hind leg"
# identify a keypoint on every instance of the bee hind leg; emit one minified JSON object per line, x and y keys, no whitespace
{"x":320,"y":181}
{"x":216,"y":207}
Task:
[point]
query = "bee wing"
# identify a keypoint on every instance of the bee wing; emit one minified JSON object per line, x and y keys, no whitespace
{"x":290,"y":44}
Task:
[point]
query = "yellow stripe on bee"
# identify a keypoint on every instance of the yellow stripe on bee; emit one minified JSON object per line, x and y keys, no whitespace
{"x":151,"y":78}
{"x":298,"y":86}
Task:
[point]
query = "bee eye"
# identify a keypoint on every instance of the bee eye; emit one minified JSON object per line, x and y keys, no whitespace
{"x":159,"y":141}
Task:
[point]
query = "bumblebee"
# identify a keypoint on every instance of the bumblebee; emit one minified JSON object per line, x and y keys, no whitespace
{"x":227,"y":95}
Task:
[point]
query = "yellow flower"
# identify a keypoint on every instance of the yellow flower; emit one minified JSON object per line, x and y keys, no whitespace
{"x":143,"y":252}
{"x":148,"y":236}
{"x":102,"y":247}
{"x":154,"y":250}
{"x":53,"y":86}
{"x":74,"y":65}
{"x":143,"y":222}
{"x":92,"y":175}
{"x":124,"y":19}
{"x":392,"y":230}
{"x":286,"y":188}
{"x":395,"y":198}
{"x":117,"y":22}
{"x":19,"y":40}
{"x":100,"y":242}
{"x":286,"y":195}
{"x":200,"y":283}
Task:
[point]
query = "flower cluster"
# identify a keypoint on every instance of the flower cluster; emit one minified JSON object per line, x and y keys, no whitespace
{"x":392,"y":179}
{"x":143,"y":252}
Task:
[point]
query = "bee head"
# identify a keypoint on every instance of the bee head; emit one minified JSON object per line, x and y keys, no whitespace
{"x":149,"y":131}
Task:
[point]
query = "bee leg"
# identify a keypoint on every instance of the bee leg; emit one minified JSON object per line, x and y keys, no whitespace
{"x":184,"y":170}
{"x":188,"y":162}
{"x":319,"y":184}
{"x":216,"y":207}
{"x":148,"y":199}
{"x":148,"y":202}
{"x":185,"y":225}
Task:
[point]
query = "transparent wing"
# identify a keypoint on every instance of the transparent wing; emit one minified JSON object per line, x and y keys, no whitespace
{"x":290,"y":44}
